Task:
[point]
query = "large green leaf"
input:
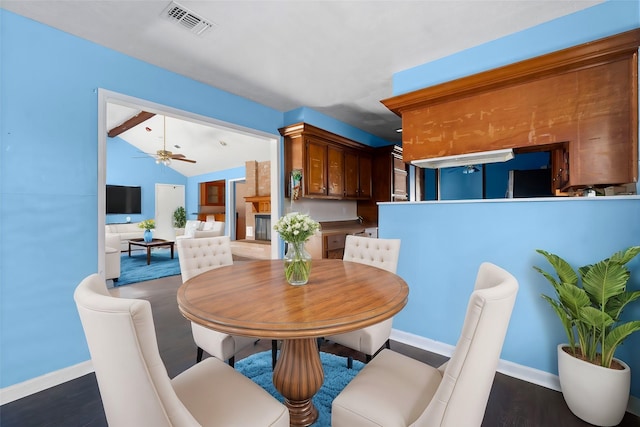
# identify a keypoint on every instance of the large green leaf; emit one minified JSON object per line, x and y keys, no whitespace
{"x":615,"y":338}
{"x":573,"y":298}
{"x":565,"y":318}
{"x":595,"y":318}
{"x":616,"y":304}
{"x":626,"y":255}
{"x":549,"y":277}
{"x":605,"y":280}
{"x":565,"y":272}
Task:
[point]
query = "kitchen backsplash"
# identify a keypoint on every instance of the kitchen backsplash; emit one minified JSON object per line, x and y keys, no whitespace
{"x":324,"y":210}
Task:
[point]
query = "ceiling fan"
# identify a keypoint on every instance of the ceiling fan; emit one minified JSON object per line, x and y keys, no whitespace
{"x":163,"y":156}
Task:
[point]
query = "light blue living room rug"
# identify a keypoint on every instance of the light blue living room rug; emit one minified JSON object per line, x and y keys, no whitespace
{"x":257,"y":367}
{"x":134,"y":269}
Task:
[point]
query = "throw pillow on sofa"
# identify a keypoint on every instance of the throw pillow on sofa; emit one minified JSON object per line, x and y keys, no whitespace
{"x":190,"y":228}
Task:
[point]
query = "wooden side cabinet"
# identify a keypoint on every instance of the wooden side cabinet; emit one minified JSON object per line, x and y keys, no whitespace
{"x":212,"y":193}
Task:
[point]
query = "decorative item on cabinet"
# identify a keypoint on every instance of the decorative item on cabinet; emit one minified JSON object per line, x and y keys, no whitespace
{"x":296,"y":183}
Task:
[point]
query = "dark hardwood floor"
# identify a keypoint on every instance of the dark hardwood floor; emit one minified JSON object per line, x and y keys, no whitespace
{"x":77,"y":402}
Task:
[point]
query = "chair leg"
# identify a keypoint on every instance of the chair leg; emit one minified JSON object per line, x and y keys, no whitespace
{"x":199,"y":355}
{"x":349,"y":362}
{"x":232,"y":361}
{"x":388,"y":344}
{"x":274,"y":353}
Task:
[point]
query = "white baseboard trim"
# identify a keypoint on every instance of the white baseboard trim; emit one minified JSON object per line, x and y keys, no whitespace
{"x":43,"y":382}
{"x":521,"y":372}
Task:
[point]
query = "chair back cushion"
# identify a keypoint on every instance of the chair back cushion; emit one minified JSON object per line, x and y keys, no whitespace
{"x":133,"y":381}
{"x":462,"y":396}
{"x":199,"y":255}
{"x":381,"y":253}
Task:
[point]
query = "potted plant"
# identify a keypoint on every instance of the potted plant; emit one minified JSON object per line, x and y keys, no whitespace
{"x":594,"y":383}
{"x":147,"y":225}
{"x":179,"y":220}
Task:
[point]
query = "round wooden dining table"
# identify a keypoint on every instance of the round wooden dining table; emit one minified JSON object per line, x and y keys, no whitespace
{"x":253,"y":299}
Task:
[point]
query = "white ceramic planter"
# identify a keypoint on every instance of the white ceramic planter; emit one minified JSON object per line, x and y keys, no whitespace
{"x":594,"y":394}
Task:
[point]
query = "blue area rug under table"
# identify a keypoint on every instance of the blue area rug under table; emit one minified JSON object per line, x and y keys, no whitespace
{"x":257,"y":367}
{"x":134,"y":269}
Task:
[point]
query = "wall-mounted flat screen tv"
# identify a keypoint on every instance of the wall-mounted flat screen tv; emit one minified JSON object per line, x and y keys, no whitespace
{"x":122,"y":199}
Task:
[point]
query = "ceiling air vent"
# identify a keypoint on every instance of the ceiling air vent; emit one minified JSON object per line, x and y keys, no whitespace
{"x":187,"y":19}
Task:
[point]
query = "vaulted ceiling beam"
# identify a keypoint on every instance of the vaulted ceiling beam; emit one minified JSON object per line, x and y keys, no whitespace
{"x":131,"y":123}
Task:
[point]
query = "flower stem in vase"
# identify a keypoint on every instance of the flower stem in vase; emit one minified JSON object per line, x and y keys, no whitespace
{"x":297,"y":264}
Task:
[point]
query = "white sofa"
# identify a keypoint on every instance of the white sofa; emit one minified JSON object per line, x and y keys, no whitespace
{"x":112,"y":257}
{"x":196,"y":229}
{"x":127,"y":231}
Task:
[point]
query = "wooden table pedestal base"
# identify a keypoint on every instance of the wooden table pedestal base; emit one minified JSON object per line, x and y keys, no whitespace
{"x":298,"y":376}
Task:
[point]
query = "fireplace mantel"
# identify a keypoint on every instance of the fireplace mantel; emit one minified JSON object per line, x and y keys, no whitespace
{"x":261,"y":204}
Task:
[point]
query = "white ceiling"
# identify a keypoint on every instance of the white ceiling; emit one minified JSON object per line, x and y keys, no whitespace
{"x":213,"y":147}
{"x":336,"y":57}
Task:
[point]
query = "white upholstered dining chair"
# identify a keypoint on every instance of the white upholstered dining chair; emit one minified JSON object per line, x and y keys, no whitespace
{"x":195,"y":257}
{"x":394,"y":390}
{"x":381,"y":253}
{"x":133,"y":381}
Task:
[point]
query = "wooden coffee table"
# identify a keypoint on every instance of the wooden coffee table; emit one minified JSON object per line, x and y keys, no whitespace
{"x":155,"y":243}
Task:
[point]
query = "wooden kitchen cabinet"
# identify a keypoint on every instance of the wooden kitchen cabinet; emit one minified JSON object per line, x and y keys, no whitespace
{"x":326,"y":170}
{"x":389,"y":175}
{"x":333,"y":167}
{"x":315,"y":179}
{"x":584,"y":98}
{"x":335,"y":172}
{"x":357,"y":175}
{"x":334,"y":246}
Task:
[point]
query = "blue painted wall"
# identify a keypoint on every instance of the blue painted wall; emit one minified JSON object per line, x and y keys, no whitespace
{"x":49,"y":174}
{"x":49,"y":82}
{"x":443,"y":243}
{"x":126,"y":165}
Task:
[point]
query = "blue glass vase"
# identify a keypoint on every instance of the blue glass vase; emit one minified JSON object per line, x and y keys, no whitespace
{"x":148,"y":236}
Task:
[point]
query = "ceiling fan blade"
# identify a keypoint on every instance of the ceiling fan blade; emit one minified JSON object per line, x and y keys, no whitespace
{"x":184,"y":160}
{"x":181,"y":157}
